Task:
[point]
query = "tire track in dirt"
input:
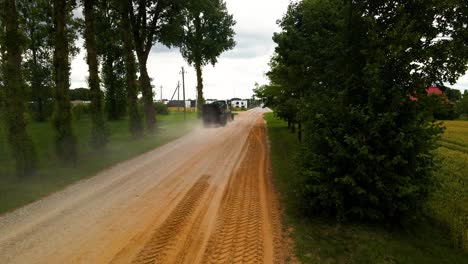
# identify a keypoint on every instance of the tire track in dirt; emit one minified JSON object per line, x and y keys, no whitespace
{"x":193,"y":240}
{"x":238,"y":236}
{"x":165,"y":237}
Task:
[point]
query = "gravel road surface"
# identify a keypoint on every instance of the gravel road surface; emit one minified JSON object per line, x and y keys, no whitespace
{"x":204,"y":198}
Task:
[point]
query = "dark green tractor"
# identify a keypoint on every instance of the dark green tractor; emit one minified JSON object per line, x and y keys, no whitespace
{"x":216,"y":113}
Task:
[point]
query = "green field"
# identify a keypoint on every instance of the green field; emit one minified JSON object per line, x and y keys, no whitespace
{"x":319,"y":240}
{"x":449,"y":204}
{"x":53,"y":176}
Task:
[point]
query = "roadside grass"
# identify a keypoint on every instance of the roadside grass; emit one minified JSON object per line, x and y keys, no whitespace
{"x":322,"y":240}
{"x":181,"y":109}
{"x":53,"y":176}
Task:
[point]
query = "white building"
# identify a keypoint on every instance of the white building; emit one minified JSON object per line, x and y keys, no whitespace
{"x":239,"y":103}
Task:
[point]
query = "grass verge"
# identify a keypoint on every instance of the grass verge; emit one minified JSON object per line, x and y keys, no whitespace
{"x":53,"y":176}
{"x":319,"y":240}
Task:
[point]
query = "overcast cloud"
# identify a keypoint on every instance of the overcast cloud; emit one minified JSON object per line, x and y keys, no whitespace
{"x":236,"y":71}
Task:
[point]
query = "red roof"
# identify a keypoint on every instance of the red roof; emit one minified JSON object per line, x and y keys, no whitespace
{"x":434,"y":90}
{"x":430,"y":90}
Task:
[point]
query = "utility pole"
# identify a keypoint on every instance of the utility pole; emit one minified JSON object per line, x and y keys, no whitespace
{"x":161,"y":94}
{"x":183,"y":92}
{"x":178,"y":96}
{"x":196,"y":99}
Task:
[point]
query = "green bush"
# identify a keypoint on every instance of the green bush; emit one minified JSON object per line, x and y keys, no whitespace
{"x":440,"y":107}
{"x":48,"y":108}
{"x":80,"y":110}
{"x":360,"y":165}
{"x":462,"y":106}
{"x":161,"y":108}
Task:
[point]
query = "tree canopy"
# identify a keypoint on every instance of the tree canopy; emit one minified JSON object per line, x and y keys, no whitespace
{"x":207,"y":33}
{"x":351,"y":67}
{"x":39,"y":38}
{"x":153,"y":21}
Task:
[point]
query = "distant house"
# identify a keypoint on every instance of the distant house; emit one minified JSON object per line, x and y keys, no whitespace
{"x":430,"y":91}
{"x":434,"y":90}
{"x":239,"y":103}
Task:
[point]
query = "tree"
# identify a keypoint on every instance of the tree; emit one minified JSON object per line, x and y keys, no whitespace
{"x":453,"y":95}
{"x":65,"y":141}
{"x":136,"y":126}
{"x":281,"y":100}
{"x":208,"y":32}
{"x":152,"y":21}
{"x":14,"y":94}
{"x":368,"y":149}
{"x":110,"y":50}
{"x":113,"y":73}
{"x":438,"y":106}
{"x":37,"y":24}
{"x":2,"y":58}
{"x":462,"y":105}
{"x":80,"y":94}
{"x":98,"y":130}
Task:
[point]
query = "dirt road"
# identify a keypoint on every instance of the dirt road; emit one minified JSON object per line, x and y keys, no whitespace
{"x":204,"y":198}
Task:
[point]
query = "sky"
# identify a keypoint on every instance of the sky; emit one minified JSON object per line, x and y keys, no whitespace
{"x":236,"y":71}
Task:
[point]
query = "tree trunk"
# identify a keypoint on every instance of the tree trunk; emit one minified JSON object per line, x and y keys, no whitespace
{"x":136,"y":126}
{"x":36,"y":88}
{"x":65,"y":141}
{"x":200,"y":98}
{"x":110,"y":86}
{"x":115,"y":99}
{"x":147,"y":91}
{"x":98,"y":130}
{"x":20,"y":142}
{"x":299,"y":131}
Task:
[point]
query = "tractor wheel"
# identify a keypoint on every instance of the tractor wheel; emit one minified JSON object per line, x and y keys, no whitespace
{"x":223,"y":120}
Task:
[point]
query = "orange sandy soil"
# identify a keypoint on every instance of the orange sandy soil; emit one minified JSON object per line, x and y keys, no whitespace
{"x":204,"y":198}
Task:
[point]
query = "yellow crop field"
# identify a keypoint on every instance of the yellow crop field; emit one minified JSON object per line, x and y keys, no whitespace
{"x":449,"y":203}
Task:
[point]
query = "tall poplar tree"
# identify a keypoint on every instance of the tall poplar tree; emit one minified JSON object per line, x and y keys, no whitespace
{"x":14,"y":95}
{"x":98,"y":130}
{"x":136,"y":125}
{"x":208,"y":32}
{"x":111,"y":53}
{"x":153,"y":21}
{"x":2,"y":57}
{"x":65,"y":141}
